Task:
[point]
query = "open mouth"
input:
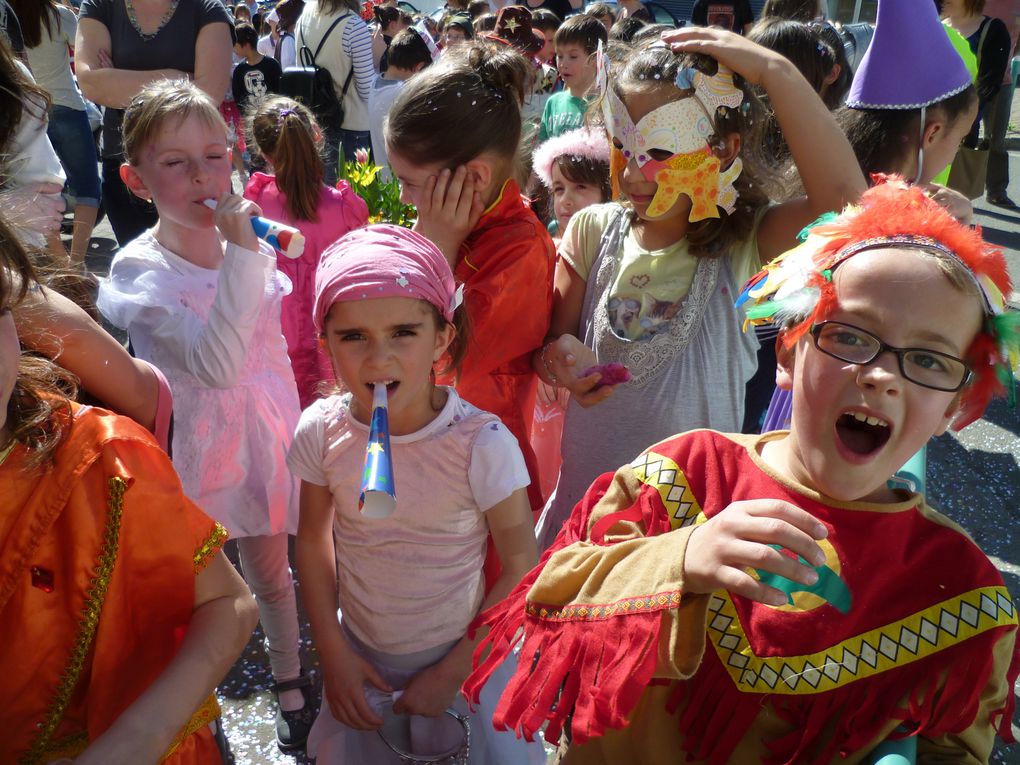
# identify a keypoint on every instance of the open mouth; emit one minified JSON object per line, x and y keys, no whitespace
{"x":862,"y":434}
{"x":391,"y":385}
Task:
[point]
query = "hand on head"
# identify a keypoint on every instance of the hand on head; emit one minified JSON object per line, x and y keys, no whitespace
{"x":451,"y":206}
{"x":750,"y":60}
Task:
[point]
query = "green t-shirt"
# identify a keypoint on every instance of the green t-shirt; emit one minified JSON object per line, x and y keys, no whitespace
{"x":563,"y":112}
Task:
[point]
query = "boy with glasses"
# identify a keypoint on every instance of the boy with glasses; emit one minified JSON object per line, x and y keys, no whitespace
{"x":750,"y":599}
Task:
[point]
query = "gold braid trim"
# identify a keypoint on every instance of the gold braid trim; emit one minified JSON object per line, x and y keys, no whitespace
{"x":205,"y":714}
{"x":210,"y":547}
{"x":94,"y":597}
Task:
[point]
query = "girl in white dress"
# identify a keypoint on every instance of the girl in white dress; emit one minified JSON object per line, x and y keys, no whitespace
{"x":412,"y":582}
{"x":200,"y":298}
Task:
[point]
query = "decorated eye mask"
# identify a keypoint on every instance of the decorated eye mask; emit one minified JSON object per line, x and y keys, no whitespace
{"x":671,"y":145}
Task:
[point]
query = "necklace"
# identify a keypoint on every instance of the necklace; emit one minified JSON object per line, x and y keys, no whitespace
{"x":133,"y":18}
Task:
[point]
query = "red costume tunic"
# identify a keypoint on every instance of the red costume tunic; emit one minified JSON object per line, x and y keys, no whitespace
{"x":506,"y":266}
{"x":98,"y":558}
{"x":909,"y":625}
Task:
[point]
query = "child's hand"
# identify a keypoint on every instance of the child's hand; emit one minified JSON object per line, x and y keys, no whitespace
{"x":952,"y":200}
{"x":565,"y":358}
{"x":720,"y":552}
{"x":430,"y":693}
{"x":37,"y":207}
{"x":343,"y":686}
{"x":744,"y":57}
{"x":232,"y":217}
{"x":449,"y":209}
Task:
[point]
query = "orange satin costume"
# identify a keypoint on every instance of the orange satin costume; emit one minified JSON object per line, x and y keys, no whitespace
{"x":98,"y":558}
{"x":506,"y":266}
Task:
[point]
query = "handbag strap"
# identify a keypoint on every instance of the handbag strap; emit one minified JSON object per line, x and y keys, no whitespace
{"x":318,"y":50}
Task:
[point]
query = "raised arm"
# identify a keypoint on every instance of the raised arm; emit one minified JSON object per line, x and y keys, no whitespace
{"x":828,"y":167}
{"x":104,"y":84}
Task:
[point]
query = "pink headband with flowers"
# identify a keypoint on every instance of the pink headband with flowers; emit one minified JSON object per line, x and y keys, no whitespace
{"x":581,"y":142}
{"x":383,"y":261}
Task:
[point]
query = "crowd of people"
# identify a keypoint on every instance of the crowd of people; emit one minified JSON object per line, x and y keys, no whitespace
{"x":675,"y":306}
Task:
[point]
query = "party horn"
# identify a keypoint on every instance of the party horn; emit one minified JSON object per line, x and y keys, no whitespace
{"x":378,"y":496}
{"x":286,"y":239}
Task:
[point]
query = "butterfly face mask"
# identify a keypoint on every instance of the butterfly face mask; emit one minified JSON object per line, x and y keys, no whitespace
{"x":671,"y":145}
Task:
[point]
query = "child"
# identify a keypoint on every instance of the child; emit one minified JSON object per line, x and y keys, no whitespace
{"x":200,"y":298}
{"x":451,"y":137}
{"x":832,"y":615}
{"x":576,"y":42}
{"x":574,"y":170}
{"x":386,"y":310}
{"x":119,"y":612}
{"x":457,"y":29}
{"x":651,"y":285}
{"x":412,"y":50}
{"x":546,"y":22}
{"x":286,"y":134}
{"x":255,"y":77}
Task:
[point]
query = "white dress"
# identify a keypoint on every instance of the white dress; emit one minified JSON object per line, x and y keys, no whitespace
{"x":215,"y":334}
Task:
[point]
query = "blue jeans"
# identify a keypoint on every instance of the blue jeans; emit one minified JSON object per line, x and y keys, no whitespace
{"x":71,"y":136}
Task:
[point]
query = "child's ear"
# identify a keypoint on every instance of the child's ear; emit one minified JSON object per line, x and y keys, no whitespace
{"x":833,"y":74}
{"x":730,"y":148}
{"x":784,"y":363}
{"x":950,"y":414}
{"x":481,"y":168}
{"x":129,"y":175}
{"x":444,"y":337}
{"x":932,"y":132}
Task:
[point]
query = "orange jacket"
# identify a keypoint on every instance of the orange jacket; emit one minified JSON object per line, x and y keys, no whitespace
{"x":506,"y":266}
{"x":98,"y":557}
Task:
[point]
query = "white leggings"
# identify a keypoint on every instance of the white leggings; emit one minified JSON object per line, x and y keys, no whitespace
{"x":266,"y":568}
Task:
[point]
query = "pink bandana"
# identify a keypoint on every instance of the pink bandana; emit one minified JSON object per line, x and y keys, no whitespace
{"x":383,"y":261}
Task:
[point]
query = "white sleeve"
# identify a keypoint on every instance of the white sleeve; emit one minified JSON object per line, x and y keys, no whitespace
{"x":288,"y":52}
{"x":308,"y":449}
{"x":30,"y":157}
{"x":212,"y":351}
{"x":497,"y":467}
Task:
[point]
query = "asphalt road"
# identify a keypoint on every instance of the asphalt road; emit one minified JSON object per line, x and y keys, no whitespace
{"x":973,"y":477}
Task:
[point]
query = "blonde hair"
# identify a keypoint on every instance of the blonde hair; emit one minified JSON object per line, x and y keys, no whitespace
{"x":159,"y":102}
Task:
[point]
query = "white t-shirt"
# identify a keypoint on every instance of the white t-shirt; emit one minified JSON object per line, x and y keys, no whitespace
{"x":379,"y":101}
{"x":51,"y":64}
{"x":413,"y":580}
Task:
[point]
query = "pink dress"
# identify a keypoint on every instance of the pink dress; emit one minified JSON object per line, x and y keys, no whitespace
{"x":340,"y":210}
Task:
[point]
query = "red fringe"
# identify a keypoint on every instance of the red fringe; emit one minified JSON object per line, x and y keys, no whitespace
{"x":715,"y":715}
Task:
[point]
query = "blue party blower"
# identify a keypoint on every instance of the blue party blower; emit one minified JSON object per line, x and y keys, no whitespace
{"x":378,"y":496}
{"x":286,"y":239}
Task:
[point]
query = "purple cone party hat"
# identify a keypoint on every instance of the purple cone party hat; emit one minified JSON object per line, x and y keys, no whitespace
{"x":378,"y":496}
{"x":910,"y":63}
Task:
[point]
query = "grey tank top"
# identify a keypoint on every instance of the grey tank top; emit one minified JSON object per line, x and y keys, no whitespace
{"x":690,"y":375}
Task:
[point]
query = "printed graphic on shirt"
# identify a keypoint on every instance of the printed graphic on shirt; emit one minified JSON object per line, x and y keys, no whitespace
{"x":721,"y":15}
{"x":255,"y":84}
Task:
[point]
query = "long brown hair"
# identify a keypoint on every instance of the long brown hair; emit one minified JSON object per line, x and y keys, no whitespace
{"x":38,"y":412}
{"x":18,"y":94}
{"x":34,"y":16}
{"x":287,"y":135}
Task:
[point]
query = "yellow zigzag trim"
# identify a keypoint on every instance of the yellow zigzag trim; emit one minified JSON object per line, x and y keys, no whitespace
{"x":871,"y":653}
{"x":94,"y":597}
{"x":665,"y":476}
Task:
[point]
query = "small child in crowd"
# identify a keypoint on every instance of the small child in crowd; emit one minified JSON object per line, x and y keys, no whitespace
{"x":386,"y":308}
{"x":200,"y":298}
{"x":754,"y":599}
{"x":256,"y":76}
{"x":286,"y":134}
{"x":576,"y":41}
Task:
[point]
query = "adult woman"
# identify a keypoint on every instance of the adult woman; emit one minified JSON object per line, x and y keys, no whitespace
{"x":121,"y":46}
{"x":347,"y":55}
{"x":49,"y":29}
{"x":989,"y":40}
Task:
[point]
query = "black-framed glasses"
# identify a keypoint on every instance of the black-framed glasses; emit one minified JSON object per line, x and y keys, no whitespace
{"x":924,"y":367}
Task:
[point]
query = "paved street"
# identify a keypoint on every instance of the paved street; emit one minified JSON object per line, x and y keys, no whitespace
{"x":973,"y":477}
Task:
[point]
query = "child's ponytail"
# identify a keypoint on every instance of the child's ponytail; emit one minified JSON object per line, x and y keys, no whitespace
{"x":286,"y":133}
{"x":467,"y":104}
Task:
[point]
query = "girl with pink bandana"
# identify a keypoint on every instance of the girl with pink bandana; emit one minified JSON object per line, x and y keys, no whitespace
{"x":408,"y":585}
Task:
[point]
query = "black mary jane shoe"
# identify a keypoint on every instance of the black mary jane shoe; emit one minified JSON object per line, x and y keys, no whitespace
{"x":292,"y":728}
